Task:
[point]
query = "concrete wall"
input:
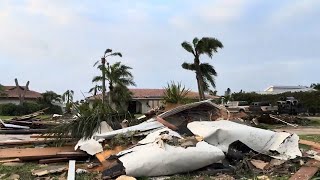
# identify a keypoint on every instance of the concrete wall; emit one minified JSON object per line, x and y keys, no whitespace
{"x":7,"y":101}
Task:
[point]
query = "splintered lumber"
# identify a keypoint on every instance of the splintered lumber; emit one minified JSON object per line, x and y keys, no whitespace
{"x":310,"y":143}
{"x":10,"y":160}
{"x":107,"y":153}
{"x":29,"y":116}
{"x":23,"y":131}
{"x":304,"y":173}
{"x":53,"y":160}
{"x":71,"y":170}
{"x":49,"y":170}
{"x":307,"y":171}
{"x":33,"y":153}
{"x":6,"y":125}
{"x":293,"y":125}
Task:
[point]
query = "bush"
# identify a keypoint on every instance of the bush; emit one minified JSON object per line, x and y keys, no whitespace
{"x":18,"y":110}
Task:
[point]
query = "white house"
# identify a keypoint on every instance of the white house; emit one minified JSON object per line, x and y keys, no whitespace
{"x":283,"y":89}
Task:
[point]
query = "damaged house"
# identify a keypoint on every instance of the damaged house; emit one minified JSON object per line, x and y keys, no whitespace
{"x":10,"y":94}
{"x":145,"y":99}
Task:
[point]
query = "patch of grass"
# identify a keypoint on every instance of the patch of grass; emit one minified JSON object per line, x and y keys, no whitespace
{"x":311,"y":137}
{"x":86,"y":176}
{"x":23,"y":171}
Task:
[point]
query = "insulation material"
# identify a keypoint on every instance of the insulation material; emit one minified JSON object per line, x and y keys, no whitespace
{"x":92,"y":146}
{"x":280,"y":145}
{"x":157,"y":158}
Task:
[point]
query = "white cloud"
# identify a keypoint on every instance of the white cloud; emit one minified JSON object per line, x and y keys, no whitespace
{"x":294,"y":10}
{"x":222,"y":11}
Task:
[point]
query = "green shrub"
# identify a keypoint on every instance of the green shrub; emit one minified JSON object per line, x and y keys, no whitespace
{"x":18,"y":110}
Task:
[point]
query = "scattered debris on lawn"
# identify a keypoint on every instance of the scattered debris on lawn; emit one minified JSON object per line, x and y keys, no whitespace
{"x":200,"y":138}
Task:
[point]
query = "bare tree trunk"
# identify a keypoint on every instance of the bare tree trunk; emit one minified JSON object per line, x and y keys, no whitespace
{"x":18,"y":89}
{"x":25,"y":92}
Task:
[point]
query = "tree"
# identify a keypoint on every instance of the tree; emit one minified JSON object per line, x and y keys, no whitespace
{"x":315,"y":86}
{"x":175,"y":93}
{"x":67,"y":97}
{"x":102,"y":68}
{"x":95,"y":89}
{"x":22,"y":91}
{"x":2,"y":93}
{"x":204,"y":72}
{"x":120,"y":96}
{"x":116,"y":74}
{"x":48,"y":97}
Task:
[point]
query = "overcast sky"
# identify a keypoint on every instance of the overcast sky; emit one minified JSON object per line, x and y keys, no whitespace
{"x":54,"y":44}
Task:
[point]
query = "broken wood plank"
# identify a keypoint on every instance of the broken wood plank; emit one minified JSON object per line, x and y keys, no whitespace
{"x":304,"y":173}
{"x":71,"y":170}
{"x":310,"y":143}
{"x":293,"y":125}
{"x":49,"y":170}
{"x":24,"y":131}
{"x":72,"y":154}
{"x":10,"y":160}
{"x":53,"y":160}
{"x":7,"y":125}
{"x":107,"y":153}
{"x":33,"y":153}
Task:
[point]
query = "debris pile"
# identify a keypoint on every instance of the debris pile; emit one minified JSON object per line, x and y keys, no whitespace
{"x":197,"y":138}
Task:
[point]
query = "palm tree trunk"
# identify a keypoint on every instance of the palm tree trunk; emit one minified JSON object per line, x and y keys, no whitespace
{"x":103,"y":62}
{"x":199,"y":78}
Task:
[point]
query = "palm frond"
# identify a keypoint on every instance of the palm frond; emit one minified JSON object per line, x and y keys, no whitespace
{"x":188,"y":47}
{"x":175,"y":93}
{"x":195,"y":42}
{"x":188,"y":66}
{"x":97,"y":79}
{"x":95,"y":63}
{"x":208,"y":45}
{"x":115,"y":54}
{"x":107,"y":51}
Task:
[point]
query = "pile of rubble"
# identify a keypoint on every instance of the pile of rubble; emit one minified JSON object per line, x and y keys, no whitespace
{"x":197,"y":138}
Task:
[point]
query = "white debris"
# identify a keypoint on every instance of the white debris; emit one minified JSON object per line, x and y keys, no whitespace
{"x":223,"y":133}
{"x":92,"y":146}
{"x":152,"y":160}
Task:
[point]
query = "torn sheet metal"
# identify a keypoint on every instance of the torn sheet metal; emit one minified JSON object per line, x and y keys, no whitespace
{"x":154,"y":157}
{"x":151,"y":124}
{"x":92,"y":146}
{"x":6,"y":125}
{"x":280,"y":145}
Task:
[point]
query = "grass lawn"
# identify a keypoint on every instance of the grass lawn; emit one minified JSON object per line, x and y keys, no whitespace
{"x":41,"y":116}
{"x":25,"y":172}
{"x":311,"y":137}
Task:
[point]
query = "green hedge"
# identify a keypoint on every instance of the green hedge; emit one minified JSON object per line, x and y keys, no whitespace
{"x":27,"y":108}
{"x":310,"y":100}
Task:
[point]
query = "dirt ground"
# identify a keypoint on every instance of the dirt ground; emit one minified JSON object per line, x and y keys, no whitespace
{"x":301,"y":130}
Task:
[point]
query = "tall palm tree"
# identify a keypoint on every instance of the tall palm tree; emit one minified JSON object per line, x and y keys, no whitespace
{"x":116,"y":74}
{"x":95,"y":89}
{"x":102,"y":68}
{"x":68,"y":96}
{"x":204,"y":72}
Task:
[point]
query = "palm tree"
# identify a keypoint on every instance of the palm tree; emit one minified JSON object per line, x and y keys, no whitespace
{"x":95,"y":89}
{"x":175,"y":93}
{"x":102,"y":68}
{"x":116,"y":74}
{"x":68,"y":98}
{"x":204,"y":72}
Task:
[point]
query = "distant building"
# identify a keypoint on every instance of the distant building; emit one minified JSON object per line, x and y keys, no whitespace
{"x":283,"y":89}
{"x":145,"y":99}
{"x":11,"y":95}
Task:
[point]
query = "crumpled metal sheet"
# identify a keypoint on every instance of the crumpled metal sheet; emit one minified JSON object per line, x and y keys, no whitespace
{"x":280,"y":145}
{"x":154,"y":160}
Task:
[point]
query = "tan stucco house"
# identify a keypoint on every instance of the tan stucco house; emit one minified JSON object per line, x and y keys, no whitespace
{"x":10,"y":94}
{"x":145,"y":99}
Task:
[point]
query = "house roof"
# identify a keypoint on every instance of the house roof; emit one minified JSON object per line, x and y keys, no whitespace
{"x":154,"y":94}
{"x":13,"y":92}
